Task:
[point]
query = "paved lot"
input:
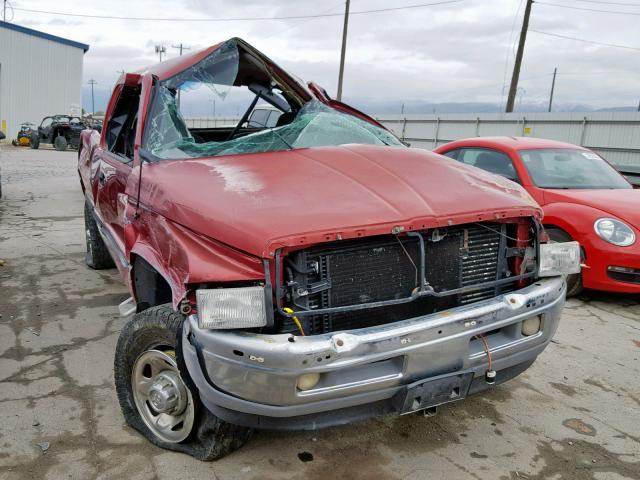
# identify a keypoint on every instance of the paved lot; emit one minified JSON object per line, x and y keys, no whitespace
{"x":575,"y":414}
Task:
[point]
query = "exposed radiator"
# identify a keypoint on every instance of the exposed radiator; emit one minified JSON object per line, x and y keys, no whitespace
{"x":387,"y":267}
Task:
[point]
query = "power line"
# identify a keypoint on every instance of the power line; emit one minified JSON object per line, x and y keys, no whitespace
{"x":298,"y":25}
{"x":585,"y":41}
{"x":585,"y":9}
{"x":237,"y":19}
{"x":610,"y":3}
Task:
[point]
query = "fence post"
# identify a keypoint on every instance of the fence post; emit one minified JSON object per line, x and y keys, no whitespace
{"x":477,"y":126}
{"x":524,"y":123}
{"x":435,"y":137}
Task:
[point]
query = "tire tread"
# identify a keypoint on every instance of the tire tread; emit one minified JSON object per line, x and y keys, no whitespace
{"x":211,"y":438}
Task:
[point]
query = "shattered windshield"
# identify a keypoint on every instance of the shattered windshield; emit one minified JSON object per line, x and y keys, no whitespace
{"x":229,"y":73}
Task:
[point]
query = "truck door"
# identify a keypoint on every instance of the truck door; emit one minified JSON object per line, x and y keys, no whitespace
{"x":112,"y":164}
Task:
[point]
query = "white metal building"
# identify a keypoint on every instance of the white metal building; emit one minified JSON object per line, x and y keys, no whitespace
{"x":40,"y":75}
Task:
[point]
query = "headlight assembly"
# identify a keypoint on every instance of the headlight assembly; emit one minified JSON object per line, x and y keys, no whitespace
{"x":615,"y":232}
{"x":559,"y":259}
{"x":228,"y":308}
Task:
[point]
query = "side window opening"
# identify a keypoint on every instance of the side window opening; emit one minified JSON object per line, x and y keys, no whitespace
{"x":121,"y":129}
{"x":490,"y":160}
{"x":274,"y":116}
{"x":259,"y":118}
{"x":452,"y":154}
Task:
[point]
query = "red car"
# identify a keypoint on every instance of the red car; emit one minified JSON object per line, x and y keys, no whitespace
{"x":583,"y":197}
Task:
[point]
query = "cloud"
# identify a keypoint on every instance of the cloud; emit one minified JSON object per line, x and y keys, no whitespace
{"x":454,"y":52}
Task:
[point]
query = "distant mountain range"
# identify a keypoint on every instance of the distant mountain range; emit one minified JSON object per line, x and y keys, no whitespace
{"x":375,"y":107}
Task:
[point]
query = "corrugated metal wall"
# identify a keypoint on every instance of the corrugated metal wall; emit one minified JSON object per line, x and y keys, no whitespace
{"x":211,"y":122}
{"x":615,"y":135}
{"x":38,"y":77}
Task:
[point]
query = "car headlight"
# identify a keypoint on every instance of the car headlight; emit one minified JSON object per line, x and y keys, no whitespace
{"x":615,"y":232}
{"x":559,"y":259}
{"x":225,"y":308}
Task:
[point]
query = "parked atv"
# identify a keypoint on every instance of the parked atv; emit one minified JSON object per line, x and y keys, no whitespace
{"x":62,"y":131}
{"x":23,"y":139}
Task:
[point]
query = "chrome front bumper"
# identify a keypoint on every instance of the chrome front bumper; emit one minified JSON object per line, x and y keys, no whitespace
{"x":257,"y":374}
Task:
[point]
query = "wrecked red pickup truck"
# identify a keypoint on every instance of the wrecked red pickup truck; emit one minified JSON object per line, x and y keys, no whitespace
{"x":309,"y":273}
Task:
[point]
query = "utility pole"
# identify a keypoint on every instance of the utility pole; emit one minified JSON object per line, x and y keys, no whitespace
{"x":516,"y":67}
{"x":92,"y":82}
{"x":4,"y":11}
{"x":344,"y":49}
{"x":160,"y":49}
{"x":180,"y":47}
{"x":553,"y":86}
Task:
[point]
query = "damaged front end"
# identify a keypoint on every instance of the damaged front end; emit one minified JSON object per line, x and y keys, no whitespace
{"x":355,"y":328}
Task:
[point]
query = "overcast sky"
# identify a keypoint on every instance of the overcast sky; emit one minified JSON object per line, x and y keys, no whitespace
{"x":448,"y":53}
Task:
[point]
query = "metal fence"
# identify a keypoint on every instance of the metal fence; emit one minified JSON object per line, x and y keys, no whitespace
{"x":211,"y":122}
{"x":615,"y":135}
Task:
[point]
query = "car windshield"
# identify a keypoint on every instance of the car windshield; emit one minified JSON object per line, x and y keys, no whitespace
{"x":231,"y":80}
{"x":566,"y":168}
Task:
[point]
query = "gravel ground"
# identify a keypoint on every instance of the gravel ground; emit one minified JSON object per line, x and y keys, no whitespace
{"x":574,"y":415}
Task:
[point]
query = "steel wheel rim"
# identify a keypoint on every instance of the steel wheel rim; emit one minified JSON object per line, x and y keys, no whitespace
{"x":155,"y":381}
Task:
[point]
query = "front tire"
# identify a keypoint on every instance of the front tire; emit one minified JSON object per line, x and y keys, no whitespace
{"x":34,"y":141}
{"x":156,"y":400}
{"x":97,"y":256}
{"x":574,"y":281}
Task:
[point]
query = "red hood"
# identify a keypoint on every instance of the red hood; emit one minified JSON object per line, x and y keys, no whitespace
{"x":621,"y":203}
{"x":258,"y":202}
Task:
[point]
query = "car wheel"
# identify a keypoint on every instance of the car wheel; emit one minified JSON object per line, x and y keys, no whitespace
{"x":60,"y":143}
{"x":34,"y":141}
{"x":97,"y":256}
{"x":155,"y":398}
{"x":574,"y":281}
{"x":14,"y":143}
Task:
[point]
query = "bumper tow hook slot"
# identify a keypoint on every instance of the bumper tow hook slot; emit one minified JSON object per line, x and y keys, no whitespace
{"x":428,"y":412}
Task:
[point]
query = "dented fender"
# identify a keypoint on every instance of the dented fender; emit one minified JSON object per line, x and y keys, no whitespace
{"x":182,"y":256}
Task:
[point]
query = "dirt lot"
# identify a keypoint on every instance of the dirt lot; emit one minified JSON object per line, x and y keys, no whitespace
{"x":575,"y":414}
